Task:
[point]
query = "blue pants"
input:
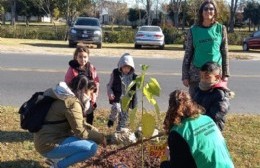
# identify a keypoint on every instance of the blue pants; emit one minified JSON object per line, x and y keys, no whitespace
{"x":72,"y":150}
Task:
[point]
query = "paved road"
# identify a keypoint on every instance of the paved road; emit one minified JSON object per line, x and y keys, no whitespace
{"x":23,"y":74}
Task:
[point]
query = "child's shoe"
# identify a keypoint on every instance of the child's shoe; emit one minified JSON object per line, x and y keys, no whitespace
{"x":53,"y":162}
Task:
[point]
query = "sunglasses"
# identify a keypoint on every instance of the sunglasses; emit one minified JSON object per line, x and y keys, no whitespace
{"x":210,"y":8}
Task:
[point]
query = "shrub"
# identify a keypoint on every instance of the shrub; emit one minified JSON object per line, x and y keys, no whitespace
{"x":173,"y":35}
{"x":124,"y":36}
{"x":236,"y":38}
{"x":33,"y":32}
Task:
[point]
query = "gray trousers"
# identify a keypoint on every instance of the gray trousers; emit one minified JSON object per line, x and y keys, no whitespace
{"x":117,"y":112}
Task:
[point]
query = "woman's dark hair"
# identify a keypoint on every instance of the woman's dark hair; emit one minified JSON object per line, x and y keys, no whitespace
{"x":181,"y":106}
{"x":200,"y":13}
{"x":80,"y":48}
{"x":79,"y":83}
{"x":92,"y":86}
{"x":82,"y":83}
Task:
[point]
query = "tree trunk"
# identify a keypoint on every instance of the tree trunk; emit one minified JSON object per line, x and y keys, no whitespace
{"x":13,"y":10}
{"x":233,"y":9}
{"x":176,"y":19}
{"x":231,"y":22}
{"x":249,"y":25}
{"x":148,"y":9}
{"x":176,"y":5}
{"x":184,"y":15}
{"x":27,"y":21}
{"x":3,"y":18}
{"x":183,"y":21}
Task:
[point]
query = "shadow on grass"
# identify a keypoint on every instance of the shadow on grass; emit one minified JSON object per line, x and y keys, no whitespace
{"x":143,"y":48}
{"x":47,"y":45}
{"x":20,"y":163}
{"x":15,"y":136}
{"x":241,"y":51}
{"x":112,"y":46}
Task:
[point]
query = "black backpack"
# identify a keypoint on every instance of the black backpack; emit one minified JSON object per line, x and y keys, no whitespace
{"x":33,"y":112}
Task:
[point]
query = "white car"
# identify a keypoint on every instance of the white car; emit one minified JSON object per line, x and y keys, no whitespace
{"x":149,"y":36}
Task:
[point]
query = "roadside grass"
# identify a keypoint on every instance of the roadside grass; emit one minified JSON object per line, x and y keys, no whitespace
{"x":64,"y":44}
{"x":242,"y":133}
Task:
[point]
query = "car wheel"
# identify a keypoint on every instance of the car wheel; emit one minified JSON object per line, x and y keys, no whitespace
{"x":161,"y":47}
{"x":99,"y":45}
{"x":245,"y":47}
{"x":72,"y":44}
{"x":138,"y":46}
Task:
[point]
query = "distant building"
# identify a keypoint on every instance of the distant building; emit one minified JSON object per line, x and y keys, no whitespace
{"x":109,"y":9}
{"x":46,"y":19}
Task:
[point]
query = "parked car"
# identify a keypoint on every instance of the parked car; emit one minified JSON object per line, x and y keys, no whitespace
{"x":85,"y":30}
{"x":149,"y":36}
{"x":252,"y":42}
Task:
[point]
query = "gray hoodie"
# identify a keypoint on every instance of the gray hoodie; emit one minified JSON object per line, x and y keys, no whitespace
{"x":126,"y":59}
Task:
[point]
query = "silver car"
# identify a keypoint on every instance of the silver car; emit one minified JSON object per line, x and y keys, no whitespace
{"x":149,"y":36}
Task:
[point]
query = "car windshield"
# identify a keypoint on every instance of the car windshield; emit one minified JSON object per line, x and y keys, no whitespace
{"x":87,"y":22}
{"x":153,"y":29}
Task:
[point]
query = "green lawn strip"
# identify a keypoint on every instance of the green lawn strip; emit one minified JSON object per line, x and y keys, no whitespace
{"x":242,"y":133}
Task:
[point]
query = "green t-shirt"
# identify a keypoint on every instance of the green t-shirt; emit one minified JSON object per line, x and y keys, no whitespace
{"x":206,"y":142}
{"x":206,"y":43}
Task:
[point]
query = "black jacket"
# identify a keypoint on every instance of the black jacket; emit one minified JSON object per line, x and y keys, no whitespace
{"x":216,"y":103}
{"x":117,"y":88}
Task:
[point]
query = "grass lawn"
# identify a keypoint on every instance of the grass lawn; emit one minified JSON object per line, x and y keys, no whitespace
{"x":242,"y":133}
{"x":20,"y":42}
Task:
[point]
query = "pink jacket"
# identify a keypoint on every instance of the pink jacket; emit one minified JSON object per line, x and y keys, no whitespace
{"x":73,"y":72}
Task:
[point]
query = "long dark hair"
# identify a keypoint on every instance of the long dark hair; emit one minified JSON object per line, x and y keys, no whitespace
{"x":80,"y":48}
{"x":80,"y":84}
{"x":200,"y":15}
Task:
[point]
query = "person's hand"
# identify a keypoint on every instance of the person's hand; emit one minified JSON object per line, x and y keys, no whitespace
{"x":104,"y":143}
{"x":110,"y":123}
{"x":111,"y":97}
{"x":225,"y":79}
{"x":167,"y":152}
{"x":186,"y":82}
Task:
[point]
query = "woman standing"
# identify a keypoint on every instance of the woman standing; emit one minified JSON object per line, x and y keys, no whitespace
{"x":206,"y":41}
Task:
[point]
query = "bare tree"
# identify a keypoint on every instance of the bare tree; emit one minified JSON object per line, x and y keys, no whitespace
{"x":3,"y":7}
{"x":13,"y":11}
{"x":117,"y":11}
{"x":233,"y":9}
{"x":193,"y":9}
{"x":175,"y":6}
{"x":46,"y":6}
{"x":147,"y":4}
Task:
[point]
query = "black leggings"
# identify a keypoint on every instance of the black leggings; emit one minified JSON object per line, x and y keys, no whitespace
{"x":165,"y":164}
{"x":90,"y":118}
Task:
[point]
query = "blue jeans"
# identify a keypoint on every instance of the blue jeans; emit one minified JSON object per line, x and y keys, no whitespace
{"x":72,"y":150}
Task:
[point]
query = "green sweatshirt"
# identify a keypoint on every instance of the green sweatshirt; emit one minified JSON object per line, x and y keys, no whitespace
{"x":206,"y":142}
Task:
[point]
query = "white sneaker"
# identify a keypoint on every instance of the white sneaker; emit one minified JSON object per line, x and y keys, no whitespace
{"x":53,"y":162}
